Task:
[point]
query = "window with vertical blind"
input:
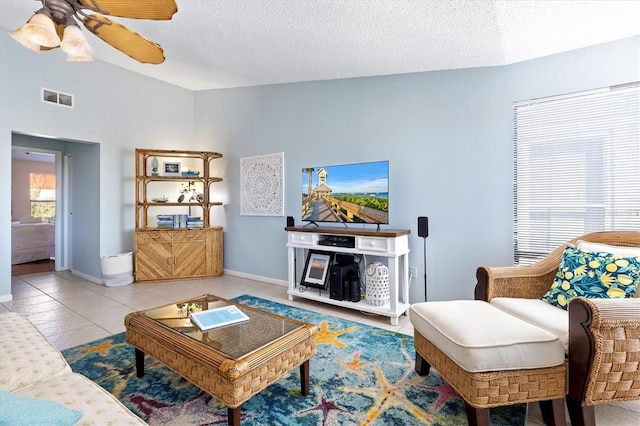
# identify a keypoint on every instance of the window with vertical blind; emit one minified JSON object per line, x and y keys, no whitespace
{"x":576,"y":168}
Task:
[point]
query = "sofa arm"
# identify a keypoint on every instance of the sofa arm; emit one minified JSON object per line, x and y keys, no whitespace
{"x":604,"y":350}
{"x":527,"y":282}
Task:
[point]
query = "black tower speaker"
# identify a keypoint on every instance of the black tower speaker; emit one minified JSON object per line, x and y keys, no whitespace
{"x":354,"y":291}
{"x":423,"y":226}
{"x":340,"y":277}
{"x":290,"y":221}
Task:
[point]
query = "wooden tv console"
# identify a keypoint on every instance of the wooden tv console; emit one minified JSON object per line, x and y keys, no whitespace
{"x":390,"y":244}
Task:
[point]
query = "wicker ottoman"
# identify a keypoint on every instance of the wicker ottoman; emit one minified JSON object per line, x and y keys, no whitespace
{"x":490,"y":357}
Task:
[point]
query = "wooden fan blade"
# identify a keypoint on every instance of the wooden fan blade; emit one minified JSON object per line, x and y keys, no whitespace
{"x":125,"y":40}
{"x":160,"y":10}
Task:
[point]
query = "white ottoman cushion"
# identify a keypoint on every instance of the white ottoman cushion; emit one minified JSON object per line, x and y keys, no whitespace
{"x":537,"y":312}
{"x":480,"y":337}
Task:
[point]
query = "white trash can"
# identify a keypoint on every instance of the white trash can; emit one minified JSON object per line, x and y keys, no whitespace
{"x":117,"y":269}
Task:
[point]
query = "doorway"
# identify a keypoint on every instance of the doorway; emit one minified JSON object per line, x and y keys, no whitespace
{"x":35,"y":210}
{"x":77,"y":242}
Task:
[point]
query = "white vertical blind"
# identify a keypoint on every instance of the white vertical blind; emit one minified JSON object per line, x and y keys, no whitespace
{"x":576,"y":168}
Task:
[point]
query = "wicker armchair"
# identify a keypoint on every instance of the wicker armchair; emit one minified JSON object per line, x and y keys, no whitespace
{"x":604,"y":334}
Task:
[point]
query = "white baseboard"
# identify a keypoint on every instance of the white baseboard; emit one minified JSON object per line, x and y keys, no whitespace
{"x":269,"y":280}
{"x":6,"y":298}
{"x":88,"y":277}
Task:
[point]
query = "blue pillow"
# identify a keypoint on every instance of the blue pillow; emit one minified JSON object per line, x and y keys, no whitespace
{"x":594,"y":275}
{"x":24,"y":410}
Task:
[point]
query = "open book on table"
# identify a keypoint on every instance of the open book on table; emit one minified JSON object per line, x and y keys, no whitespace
{"x":218,"y":317}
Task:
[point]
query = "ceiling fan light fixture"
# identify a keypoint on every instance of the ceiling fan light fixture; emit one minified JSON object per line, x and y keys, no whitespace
{"x":79,"y":58}
{"x":41,"y":30}
{"x":75,"y":44}
{"x":19,"y":36}
{"x":57,"y":24}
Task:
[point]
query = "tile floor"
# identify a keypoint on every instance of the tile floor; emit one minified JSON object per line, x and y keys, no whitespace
{"x":70,"y":311}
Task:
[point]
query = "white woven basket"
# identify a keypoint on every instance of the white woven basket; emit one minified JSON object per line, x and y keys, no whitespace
{"x":377,"y":284}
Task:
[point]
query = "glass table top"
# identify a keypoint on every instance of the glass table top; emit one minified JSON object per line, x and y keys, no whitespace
{"x":235,"y":340}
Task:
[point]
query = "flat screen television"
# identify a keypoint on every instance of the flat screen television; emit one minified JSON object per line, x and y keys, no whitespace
{"x":346,"y":193}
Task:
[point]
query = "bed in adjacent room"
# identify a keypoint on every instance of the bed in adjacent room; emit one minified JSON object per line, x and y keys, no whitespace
{"x":32,"y":239}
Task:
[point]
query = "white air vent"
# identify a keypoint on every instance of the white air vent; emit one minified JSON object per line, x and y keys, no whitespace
{"x":52,"y":97}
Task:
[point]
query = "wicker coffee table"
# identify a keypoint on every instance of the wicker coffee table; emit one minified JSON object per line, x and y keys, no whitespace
{"x":231,"y":363}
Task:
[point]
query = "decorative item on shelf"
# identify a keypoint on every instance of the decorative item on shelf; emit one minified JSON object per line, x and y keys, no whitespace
{"x":180,"y":220}
{"x":377,"y":284}
{"x":154,"y":166}
{"x":187,"y":189}
{"x":162,"y":199}
{"x":164,"y":221}
{"x":181,"y":198}
{"x":195,"y":222}
{"x":171,"y":168}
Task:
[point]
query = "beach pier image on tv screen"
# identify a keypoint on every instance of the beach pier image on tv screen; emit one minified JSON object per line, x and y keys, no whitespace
{"x":346,"y":193}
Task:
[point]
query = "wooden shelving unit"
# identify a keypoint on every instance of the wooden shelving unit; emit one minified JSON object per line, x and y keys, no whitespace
{"x":179,"y":252}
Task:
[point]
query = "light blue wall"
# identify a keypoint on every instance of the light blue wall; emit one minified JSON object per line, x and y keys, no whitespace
{"x":85,"y":253}
{"x":584,"y":69}
{"x":444,"y":134}
{"x":115,"y":108}
{"x":448,"y":137}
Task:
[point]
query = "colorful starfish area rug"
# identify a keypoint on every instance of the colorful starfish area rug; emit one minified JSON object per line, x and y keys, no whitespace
{"x":361,"y":375}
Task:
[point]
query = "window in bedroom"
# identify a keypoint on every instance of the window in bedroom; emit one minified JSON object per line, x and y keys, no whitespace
{"x":42,"y":194}
{"x":576,"y":168}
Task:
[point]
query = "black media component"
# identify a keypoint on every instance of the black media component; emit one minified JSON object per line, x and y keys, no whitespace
{"x":343,"y":259}
{"x":340,"y":278}
{"x":346,"y":288}
{"x":355,"y":289}
{"x":423,"y":226}
{"x":290,"y":221}
{"x":338,"y":241}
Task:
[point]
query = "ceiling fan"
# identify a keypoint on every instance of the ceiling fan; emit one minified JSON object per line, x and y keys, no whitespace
{"x":56,"y":25}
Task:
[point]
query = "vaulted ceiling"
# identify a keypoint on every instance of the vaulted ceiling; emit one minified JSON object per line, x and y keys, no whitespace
{"x":223,"y":43}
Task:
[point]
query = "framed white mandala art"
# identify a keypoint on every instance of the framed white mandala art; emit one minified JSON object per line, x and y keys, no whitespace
{"x":262,"y":185}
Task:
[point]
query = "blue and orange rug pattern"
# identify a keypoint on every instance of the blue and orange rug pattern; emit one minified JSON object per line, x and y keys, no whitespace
{"x":361,"y":375}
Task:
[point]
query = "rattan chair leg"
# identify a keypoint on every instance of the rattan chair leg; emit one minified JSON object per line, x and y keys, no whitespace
{"x":422,"y":367}
{"x":477,"y":416}
{"x":553,"y":412}
{"x":580,"y":415}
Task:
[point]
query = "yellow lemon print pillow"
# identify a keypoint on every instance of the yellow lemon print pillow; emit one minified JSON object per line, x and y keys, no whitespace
{"x":594,"y":276}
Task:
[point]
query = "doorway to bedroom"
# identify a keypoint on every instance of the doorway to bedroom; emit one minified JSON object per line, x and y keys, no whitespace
{"x":77,"y":200}
{"x":34,"y":194}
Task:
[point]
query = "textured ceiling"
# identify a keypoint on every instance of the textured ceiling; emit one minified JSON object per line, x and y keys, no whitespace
{"x":213,"y":44}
